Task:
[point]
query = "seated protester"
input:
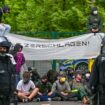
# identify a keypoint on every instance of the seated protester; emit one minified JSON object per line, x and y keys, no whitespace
{"x":26,"y":88}
{"x":70,"y":74}
{"x":87,"y":77}
{"x":86,"y":84}
{"x":52,"y":76}
{"x":44,"y":87}
{"x":86,"y":80}
{"x":78,"y":85}
{"x":35,"y":77}
{"x":60,"y":88}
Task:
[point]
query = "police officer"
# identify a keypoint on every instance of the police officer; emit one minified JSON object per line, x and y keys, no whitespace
{"x":97,"y":79}
{"x":7,"y":73}
{"x":94,"y":21}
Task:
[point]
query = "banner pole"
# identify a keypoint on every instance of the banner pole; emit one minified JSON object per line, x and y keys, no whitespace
{"x":54,"y":36}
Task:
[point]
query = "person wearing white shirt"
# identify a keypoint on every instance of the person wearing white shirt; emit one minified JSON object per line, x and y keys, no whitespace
{"x":26,"y":88}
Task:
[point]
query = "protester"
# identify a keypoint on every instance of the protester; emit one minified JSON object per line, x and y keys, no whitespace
{"x":35,"y":77}
{"x":78,"y":85}
{"x":26,"y":88}
{"x":94,"y":21}
{"x":70,"y":73}
{"x":4,"y":27}
{"x":19,"y":59}
{"x":86,"y":78}
{"x":44,"y":88}
{"x":52,"y":76}
{"x":7,"y":73}
{"x":60,"y":88}
{"x":86,"y":84}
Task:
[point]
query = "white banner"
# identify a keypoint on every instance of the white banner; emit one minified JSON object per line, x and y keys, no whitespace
{"x":84,"y":46}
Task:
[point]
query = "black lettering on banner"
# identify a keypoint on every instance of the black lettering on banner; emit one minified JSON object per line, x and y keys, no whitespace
{"x":67,"y":44}
{"x":84,"y":43}
{"x":26,"y":45}
{"x":38,"y":46}
{"x":57,"y":45}
{"x":78,"y":43}
{"x":72,"y":43}
{"x":32,"y":45}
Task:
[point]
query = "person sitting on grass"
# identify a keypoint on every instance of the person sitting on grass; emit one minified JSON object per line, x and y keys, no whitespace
{"x":26,"y":89}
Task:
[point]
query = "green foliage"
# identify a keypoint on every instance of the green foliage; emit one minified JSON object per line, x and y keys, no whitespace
{"x":51,"y":15}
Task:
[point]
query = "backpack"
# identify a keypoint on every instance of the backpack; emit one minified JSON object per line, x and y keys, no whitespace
{"x":5,"y":79}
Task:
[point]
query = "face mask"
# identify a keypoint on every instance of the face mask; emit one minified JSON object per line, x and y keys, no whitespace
{"x":25,"y":81}
{"x":78,"y":79}
{"x":44,"y":81}
{"x":95,"y":12}
{"x":87,"y":75}
{"x":62,"y":79}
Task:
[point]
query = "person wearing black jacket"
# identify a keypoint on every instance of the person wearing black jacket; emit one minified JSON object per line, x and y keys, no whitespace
{"x":97,"y":79}
{"x":4,"y":27}
{"x":94,"y":21}
{"x":7,"y":73}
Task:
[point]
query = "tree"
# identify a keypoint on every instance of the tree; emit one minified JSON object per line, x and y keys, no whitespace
{"x":50,"y":15}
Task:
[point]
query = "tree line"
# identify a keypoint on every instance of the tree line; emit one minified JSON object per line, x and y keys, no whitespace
{"x":50,"y":15}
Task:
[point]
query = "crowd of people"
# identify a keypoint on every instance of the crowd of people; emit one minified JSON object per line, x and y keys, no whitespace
{"x":61,"y":89}
{"x":55,"y":86}
{"x":51,"y":86}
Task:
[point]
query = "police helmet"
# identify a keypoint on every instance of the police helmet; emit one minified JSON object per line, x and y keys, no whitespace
{"x":5,"y":43}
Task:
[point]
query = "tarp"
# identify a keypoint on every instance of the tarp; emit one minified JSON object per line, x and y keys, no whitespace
{"x":83,"y":46}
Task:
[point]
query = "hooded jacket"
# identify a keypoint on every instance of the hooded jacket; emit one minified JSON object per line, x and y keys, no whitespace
{"x":94,"y":20}
{"x":18,"y":56}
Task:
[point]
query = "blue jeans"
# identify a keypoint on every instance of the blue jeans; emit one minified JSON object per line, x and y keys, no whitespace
{"x":43,"y":97}
{"x":4,"y":28}
{"x":17,"y":78}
